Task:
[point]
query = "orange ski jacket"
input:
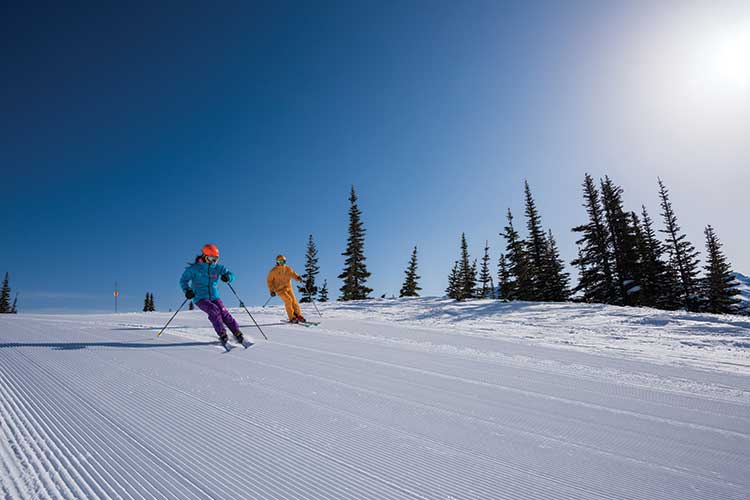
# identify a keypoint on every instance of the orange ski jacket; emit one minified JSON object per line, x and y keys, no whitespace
{"x":279,"y":278}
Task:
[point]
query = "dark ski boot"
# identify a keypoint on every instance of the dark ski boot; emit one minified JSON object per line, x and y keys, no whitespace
{"x":241,"y":340}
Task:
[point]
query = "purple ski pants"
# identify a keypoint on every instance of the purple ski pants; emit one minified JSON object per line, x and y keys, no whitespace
{"x":218,"y":315}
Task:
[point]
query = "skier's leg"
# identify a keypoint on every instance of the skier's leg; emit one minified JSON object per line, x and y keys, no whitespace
{"x":214,"y":316}
{"x":227,"y":317}
{"x":295,"y":305}
{"x":288,"y":305}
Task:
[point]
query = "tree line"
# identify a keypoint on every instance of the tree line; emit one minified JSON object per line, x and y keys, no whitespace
{"x":621,"y":260}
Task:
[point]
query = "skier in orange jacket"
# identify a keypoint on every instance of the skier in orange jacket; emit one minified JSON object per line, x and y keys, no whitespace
{"x":279,"y":283}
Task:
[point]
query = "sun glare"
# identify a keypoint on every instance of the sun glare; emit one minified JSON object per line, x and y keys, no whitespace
{"x":728,"y":59}
{"x":722,"y":62}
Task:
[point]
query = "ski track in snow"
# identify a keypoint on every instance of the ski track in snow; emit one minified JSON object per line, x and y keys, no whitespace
{"x":384,"y":400}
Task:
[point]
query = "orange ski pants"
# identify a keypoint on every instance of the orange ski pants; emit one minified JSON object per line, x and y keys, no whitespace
{"x":290,"y":302}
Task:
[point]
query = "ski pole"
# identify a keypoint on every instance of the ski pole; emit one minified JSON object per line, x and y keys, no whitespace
{"x":170,"y":319}
{"x":312,"y":300}
{"x":242,"y":304}
{"x":269,"y":300}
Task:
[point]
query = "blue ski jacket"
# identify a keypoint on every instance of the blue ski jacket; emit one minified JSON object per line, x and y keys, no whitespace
{"x":204,"y":278}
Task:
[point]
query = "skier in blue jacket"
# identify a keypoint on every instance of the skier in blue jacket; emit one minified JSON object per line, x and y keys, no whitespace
{"x":200,"y":283}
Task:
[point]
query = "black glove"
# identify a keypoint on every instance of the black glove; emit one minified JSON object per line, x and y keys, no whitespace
{"x":225,"y":278}
{"x":189,"y":293}
{"x":273,"y":294}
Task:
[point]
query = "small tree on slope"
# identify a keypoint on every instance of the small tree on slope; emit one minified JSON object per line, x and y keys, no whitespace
{"x":5,"y":306}
{"x":485,"y":275}
{"x":308,"y":289}
{"x":323,"y":294}
{"x":411,"y":285}
{"x":355,"y":272}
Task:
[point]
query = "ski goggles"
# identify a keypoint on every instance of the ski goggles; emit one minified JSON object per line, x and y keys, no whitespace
{"x":281,"y":262}
{"x":211,"y":259}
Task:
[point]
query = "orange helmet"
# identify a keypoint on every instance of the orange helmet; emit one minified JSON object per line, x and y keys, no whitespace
{"x":210,"y":250}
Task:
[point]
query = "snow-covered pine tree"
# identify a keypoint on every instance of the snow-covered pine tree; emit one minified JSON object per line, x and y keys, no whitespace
{"x":536,"y":247}
{"x":683,"y":255}
{"x":307,"y":288}
{"x":323,"y":294}
{"x":557,"y":281}
{"x":719,"y":286}
{"x":518,"y":285}
{"x":595,"y":281}
{"x":355,"y":272}
{"x":623,"y":243}
{"x":454,"y":283}
{"x":410,"y":288}
{"x":5,"y":296}
{"x":485,"y":275}
{"x":655,"y":278}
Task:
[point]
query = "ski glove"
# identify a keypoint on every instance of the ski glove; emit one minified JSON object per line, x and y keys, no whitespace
{"x":225,"y":278}
{"x":189,"y":293}
{"x":273,"y":294}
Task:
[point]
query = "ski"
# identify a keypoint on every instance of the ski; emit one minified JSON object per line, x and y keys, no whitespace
{"x":246,"y":344}
{"x":306,"y":323}
{"x":225,"y":348}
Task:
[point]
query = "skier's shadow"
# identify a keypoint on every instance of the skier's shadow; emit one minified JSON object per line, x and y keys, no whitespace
{"x":71,"y":346}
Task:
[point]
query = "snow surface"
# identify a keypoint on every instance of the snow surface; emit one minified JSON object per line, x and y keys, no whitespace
{"x":386,"y":399}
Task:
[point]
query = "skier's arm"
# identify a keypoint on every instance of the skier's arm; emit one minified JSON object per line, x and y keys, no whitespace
{"x":269,"y":282}
{"x":224,"y":272}
{"x":294,"y":275}
{"x":185,"y":279}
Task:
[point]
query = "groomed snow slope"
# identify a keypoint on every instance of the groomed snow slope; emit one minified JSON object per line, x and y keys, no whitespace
{"x":386,"y":399}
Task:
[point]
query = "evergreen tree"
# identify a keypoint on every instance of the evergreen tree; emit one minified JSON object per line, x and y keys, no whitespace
{"x":146,"y":303}
{"x":411,"y":286}
{"x":485,"y":275}
{"x":454,"y":290}
{"x":536,"y":248}
{"x":152,"y":304}
{"x":504,"y":283}
{"x":595,"y":279}
{"x":683,"y":255}
{"x":323,"y":294}
{"x":518,"y":283}
{"x":719,"y":286}
{"x":308,"y":289}
{"x":557,"y":281}
{"x":13,"y":308}
{"x":467,"y":281}
{"x":656,"y":288}
{"x":355,"y":272}
{"x":5,"y":296}
{"x":623,"y":243}
{"x":474,"y":292}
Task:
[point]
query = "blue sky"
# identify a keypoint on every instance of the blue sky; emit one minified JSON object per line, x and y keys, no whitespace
{"x":130,"y":136}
